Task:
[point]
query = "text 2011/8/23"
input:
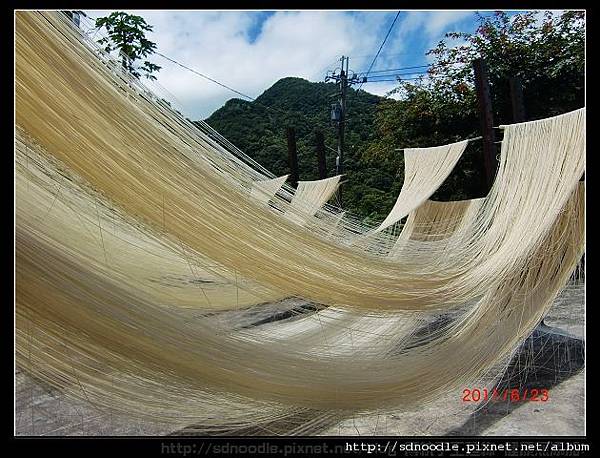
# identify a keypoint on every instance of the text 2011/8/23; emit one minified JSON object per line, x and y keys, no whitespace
{"x":512,"y":395}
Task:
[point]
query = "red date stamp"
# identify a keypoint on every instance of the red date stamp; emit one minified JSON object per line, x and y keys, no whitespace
{"x":506,"y":394}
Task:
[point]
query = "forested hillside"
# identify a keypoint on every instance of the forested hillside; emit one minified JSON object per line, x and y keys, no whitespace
{"x":258,"y":128}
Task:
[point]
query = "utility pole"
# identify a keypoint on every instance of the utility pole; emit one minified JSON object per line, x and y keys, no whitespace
{"x":338,"y":112}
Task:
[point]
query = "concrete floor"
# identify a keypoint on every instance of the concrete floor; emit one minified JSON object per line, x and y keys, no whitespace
{"x":547,"y":360}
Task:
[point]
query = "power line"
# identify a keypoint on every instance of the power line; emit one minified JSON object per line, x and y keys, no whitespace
{"x":383,"y":54}
{"x":390,"y":75}
{"x":381,"y":47}
{"x":252,"y":98}
{"x":397,"y":69}
{"x":206,"y":77}
{"x":328,"y":66}
{"x":402,"y":78}
{"x":189,"y":69}
{"x":284,"y":112}
{"x":398,"y":79}
{"x":293,"y":113}
{"x":297,"y":113}
{"x":379,"y":81}
{"x":212,"y":79}
{"x":426,"y":67}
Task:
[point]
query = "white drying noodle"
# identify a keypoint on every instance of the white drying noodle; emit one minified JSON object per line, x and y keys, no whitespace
{"x":264,"y":190}
{"x":80,"y":327}
{"x":310,"y":197}
{"x":425,"y":170}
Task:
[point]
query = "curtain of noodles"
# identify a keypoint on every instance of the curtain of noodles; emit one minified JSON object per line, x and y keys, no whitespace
{"x":425,"y":171}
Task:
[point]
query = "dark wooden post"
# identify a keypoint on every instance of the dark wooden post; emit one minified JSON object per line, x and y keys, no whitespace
{"x":320,"y":148}
{"x":292,"y":155}
{"x":486,"y":118}
{"x":516,"y":98}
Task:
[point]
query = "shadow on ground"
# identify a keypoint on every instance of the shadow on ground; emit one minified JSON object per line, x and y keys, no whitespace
{"x":546,"y":358}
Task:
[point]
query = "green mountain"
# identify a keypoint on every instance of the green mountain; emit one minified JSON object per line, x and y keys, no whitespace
{"x":258,"y":129}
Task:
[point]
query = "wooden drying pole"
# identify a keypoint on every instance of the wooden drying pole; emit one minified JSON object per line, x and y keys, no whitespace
{"x":292,"y":156}
{"x":516,"y":99}
{"x":486,"y":119}
{"x":320,"y":150}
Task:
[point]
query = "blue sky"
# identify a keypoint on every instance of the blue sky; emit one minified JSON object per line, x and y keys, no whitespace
{"x":251,"y":50}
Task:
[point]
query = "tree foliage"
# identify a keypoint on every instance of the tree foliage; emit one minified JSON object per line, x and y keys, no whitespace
{"x":127,"y":33}
{"x":546,"y":50}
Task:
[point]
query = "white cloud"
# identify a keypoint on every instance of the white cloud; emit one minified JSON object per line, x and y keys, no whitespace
{"x":436,"y":23}
{"x":303,"y":44}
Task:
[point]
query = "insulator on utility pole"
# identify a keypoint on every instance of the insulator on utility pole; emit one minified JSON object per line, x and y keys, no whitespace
{"x":335,"y":112}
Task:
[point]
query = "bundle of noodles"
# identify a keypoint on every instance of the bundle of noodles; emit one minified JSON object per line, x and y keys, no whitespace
{"x":135,"y":233}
